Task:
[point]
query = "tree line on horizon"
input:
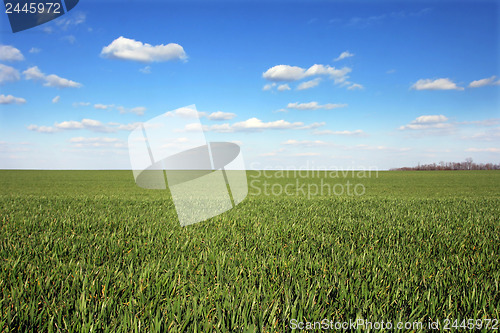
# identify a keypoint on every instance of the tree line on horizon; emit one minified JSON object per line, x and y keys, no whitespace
{"x":468,"y":164}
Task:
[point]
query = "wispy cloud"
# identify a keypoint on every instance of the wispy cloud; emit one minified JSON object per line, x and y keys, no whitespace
{"x":343,"y":55}
{"x":314,"y":106}
{"x":484,"y":150}
{"x":85,"y":124}
{"x":437,"y":84}
{"x":138,"y":110}
{"x":283,"y":87}
{"x":56,"y":99}
{"x":484,"y":82}
{"x":427,"y":122}
{"x":345,"y":133}
{"x":309,"y":84}
{"x":52,"y":80}
{"x":97,"y":142}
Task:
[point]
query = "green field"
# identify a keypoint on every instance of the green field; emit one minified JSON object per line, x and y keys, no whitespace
{"x":89,"y":250}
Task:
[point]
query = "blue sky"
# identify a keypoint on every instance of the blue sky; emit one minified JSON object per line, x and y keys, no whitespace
{"x":297,"y":84}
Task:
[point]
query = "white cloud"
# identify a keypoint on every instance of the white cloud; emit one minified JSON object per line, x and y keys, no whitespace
{"x":129,"y":49}
{"x":480,"y":150}
{"x":10,"y":53}
{"x":35,"y":50}
{"x":355,"y":86}
{"x":283,"y":87}
{"x":489,"y":135}
{"x":70,"y":39}
{"x":312,"y":126}
{"x":76,"y":19}
{"x":52,"y":80}
{"x":306,"y":154}
{"x":77,"y":104}
{"x":145,"y":70}
{"x":8,"y":74}
{"x":85,"y":124}
{"x":268,"y":86}
{"x":309,"y":84}
{"x":253,"y":124}
{"x":284,"y":73}
{"x":185,"y":113}
{"x":139,"y":110}
{"x":103,"y":106}
{"x":305,"y":143}
{"x":427,"y":122}
{"x":347,"y":133}
{"x":56,"y":99}
{"x":314,"y":106}
{"x":9,"y":99}
{"x":97,"y":142}
{"x":438,"y":84}
{"x":343,"y":55}
{"x":42,"y":129}
{"x":219,"y":115}
{"x":484,"y":82}
{"x":280,"y":73}
{"x":338,"y":75}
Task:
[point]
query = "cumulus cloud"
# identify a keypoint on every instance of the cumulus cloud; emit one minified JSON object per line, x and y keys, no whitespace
{"x":129,"y":49}
{"x":343,"y":55}
{"x":8,"y":74}
{"x":309,"y":84}
{"x":35,"y":50}
{"x":283,"y":87}
{"x":56,"y":99}
{"x":10,"y":53}
{"x":9,"y":99}
{"x":284,"y":73}
{"x":52,"y":80}
{"x":427,"y":122}
{"x":287,"y":73}
{"x":219,"y":115}
{"x":314,"y":106}
{"x":437,"y":84}
{"x":484,"y":82}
